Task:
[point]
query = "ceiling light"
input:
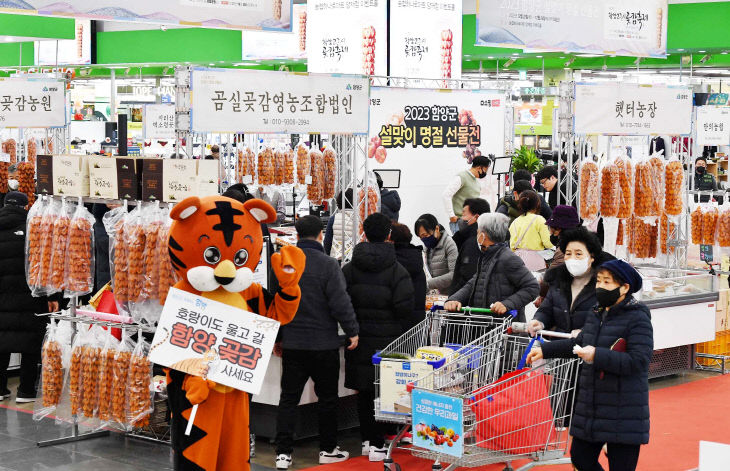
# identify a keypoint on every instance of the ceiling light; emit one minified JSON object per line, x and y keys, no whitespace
{"x":723,"y":52}
{"x":539,"y":57}
{"x":211,"y":65}
{"x":680,"y":50}
{"x":701,"y":52}
{"x":562,"y":57}
{"x":245,"y":64}
{"x":515,"y":54}
{"x":490,"y":57}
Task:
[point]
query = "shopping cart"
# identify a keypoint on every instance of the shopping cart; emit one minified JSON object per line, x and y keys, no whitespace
{"x":495,"y":410}
{"x":441,"y":338}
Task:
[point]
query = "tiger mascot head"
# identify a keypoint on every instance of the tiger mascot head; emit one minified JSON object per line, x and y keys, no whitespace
{"x":215,"y":242}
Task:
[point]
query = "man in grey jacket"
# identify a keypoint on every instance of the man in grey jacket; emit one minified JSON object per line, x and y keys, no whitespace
{"x":502,"y":282}
{"x":311,"y":346}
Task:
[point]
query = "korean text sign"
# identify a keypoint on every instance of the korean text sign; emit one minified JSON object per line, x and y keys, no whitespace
{"x":713,"y":126}
{"x":632,"y":109}
{"x":159,"y":122}
{"x":32,"y":103}
{"x":438,"y":422}
{"x":620,"y":27}
{"x":236,"y":343}
{"x":274,"y":102}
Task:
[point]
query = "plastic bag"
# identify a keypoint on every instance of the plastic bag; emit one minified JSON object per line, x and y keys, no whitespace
{"x":710,"y":215}
{"x":152,"y":223}
{"x":114,"y":225}
{"x":90,"y":366}
{"x":610,"y":190}
{"x":644,"y":237}
{"x":106,"y":376}
{"x":141,"y":393}
{"x":315,"y":190}
{"x":32,"y":150}
{"x":34,"y":246}
{"x":657,"y":180}
{"x":49,"y":218}
{"x":645,"y":195}
{"x":246,"y":164}
{"x":4,"y":175}
{"x":303,"y":163}
{"x":589,"y":190}
{"x":266,"y":168}
{"x":288,"y":166}
{"x":696,"y":225}
{"x":626,"y":184}
{"x":74,"y":380}
{"x":26,"y":180}
{"x":371,"y":202}
{"x":279,"y":167}
{"x":167,"y":275}
{"x":61,"y":226}
{"x":120,"y":372}
{"x":673,"y":184}
{"x":330,"y":172}
{"x":723,"y":227}
{"x":620,"y":233}
{"x":52,"y":373}
{"x":11,"y":147}
{"x":80,"y":253}
{"x":665,"y":229}
{"x":134,"y":236}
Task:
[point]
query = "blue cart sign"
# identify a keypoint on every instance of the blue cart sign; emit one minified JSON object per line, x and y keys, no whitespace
{"x":438,"y":422}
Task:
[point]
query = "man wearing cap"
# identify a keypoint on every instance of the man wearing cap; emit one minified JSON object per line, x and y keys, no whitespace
{"x":20,"y":330}
{"x":461,"y":187}
{"x":616,"y":346}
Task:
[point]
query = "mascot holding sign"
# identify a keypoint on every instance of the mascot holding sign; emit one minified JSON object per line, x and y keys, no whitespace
{"x":215,"y":245}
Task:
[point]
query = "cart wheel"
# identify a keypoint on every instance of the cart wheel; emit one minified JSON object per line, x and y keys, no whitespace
{"x":391,"y":466}
{"x":436,"y":467}
{"x":508,"y":468}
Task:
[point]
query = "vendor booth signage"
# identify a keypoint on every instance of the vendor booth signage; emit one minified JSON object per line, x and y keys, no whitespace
{"x":275,"y":102}
{"x":425,"y":39}
{"x":236,"y":14}
{"x":30,"y":103}
{"x":713,"y":126}
{"x":418,"y":131}
{"x":159,"y":122}
{"x":620,"y":27}
{"x":632,"y":109}
{"x":347,"y":37}
{"x":438,"y":422}
{"x":235,"y":344}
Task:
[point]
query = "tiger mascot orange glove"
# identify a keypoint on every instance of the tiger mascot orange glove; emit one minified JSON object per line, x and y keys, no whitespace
{"x":215,"y":245}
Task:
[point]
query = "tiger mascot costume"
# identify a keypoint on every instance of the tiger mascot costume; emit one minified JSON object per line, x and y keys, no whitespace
{"x":215,"y":245}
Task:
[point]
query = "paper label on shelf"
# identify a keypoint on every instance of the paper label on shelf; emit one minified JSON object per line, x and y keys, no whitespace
{"x":632,"y":109}
{"x":308,"y":180}
{"x":256,"y":101}
{"x":235,"y":344}
{"x":32,"y":103}
{"x":247,"y":179}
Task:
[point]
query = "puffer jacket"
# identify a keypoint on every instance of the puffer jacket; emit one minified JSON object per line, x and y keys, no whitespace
{"x":382,"y":295}
{"x":20,"y":329}
{"x":390,"y":203}
{"x":411,"y":257}
{"x":468,"y":259}
{"x":509,"y":207}
{"x":612,"y":404}
{"x":501,"y":276}
{"x":441,"y":261}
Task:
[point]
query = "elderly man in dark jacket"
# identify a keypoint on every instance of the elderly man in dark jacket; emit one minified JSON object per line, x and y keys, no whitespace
{"x":382,"y":294}
{"x":616,"y":344}
{"x":20,"y":330}
{"x":466,"y":240}
{"x":311,"y":346}
{"x":502,"y":283}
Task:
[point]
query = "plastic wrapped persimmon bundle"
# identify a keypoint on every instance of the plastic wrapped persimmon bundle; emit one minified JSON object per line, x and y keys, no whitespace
{"x":673,"y":184}
{"x":134,"y":234}
{"x":666,"y":227}
{"x":620,"y":233}
{"x":709,"y":224}
{"x":74,"y":381}
{"x":289,"y":166}
{"x":32,"y":148}
{"x":152,"y":224}
{"x":610,"y":190}
{"x":315,"y":190}
{"x":303,"y":163}
{"x":723,"y":227}
{"x":52,"y":369}
{"x":122,"y":359}
{"x":166,"y":273}
{"x":589,"y":191}
{"x":34,"y":246}
{"x":4,"y":174}
{"x":266,"y":167}
{"x":118,"y":258}
{"x":90,"y":366}
{"x":106,"y":375}
{"x":10,"y":147}
{"x":645,"y":195}
{"x":279,"y":167}
{"x":626,"y":184}
{"x":644,"y":239}
{"x":330,"y":167}
{"x":80,"y":253}
{"x":26,"y":180}
{"x":49,"y":218}
{"x":139,"y":381}
{"x":696,"y":225}
{"x":61,"y":227}
{"x":657,"y":180}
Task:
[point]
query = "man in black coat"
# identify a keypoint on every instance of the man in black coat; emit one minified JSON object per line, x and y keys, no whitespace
{"x":466,"y":242}
{"x":616,"y":345}
{"x":382,"y":295}
{"x":20,"y":330}
{"x":389,"y":200}
{"x":411,"y":257}
{"x":311,"y":346}
{"x":548,"y":178}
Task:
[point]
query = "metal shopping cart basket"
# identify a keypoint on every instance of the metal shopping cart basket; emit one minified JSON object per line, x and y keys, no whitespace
{"x":441,"y":338}
{"x":495,"y":410}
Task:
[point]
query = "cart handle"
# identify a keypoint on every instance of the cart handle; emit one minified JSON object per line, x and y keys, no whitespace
{"x":523,"y":360}
{"x":482,"y":310}
{"x":521,"y":328}
{"x":376,"y":359}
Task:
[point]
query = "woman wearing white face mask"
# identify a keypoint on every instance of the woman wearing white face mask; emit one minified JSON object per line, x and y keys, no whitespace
{"x":572,"y":292}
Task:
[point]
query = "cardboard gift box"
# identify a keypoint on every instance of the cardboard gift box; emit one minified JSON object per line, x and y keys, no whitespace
{"x":129,"y":178}
{"x":207,"y":180}
{"x":179,"y":179}
{"x":103,"y":177}
{"x":71,"y":175}
{"x":152,"y":179}
{"x":44,"y":174}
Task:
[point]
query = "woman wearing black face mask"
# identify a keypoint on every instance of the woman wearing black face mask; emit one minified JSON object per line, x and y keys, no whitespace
{"x":616,"y":345}
{"x":441,"y":252}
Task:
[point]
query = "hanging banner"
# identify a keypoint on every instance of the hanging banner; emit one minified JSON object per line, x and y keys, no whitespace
{"x":425,"y":39}
{"x":233,"y":101}
{"x":620,"y":27}
{"x":32,"y":103}
{"x":632,"y":109}
{"x":419,"y":131}
{"x":713,"y":126}
{"x":347,"y":37}
{"x":234,"y":344}
{"x":235,"y":14}
{"x":159,"y":122}
{"x":263,"y":45}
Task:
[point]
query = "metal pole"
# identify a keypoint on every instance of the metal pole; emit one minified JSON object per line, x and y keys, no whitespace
{"x":113,"y":95}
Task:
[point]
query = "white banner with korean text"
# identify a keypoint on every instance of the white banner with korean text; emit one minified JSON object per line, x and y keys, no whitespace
{"x":425,"y":39}
{"x":159,"y":122}
{"x":32,"y":103}
{"x":632,"y":109}
{"x":713,"y":126}
{"x":234,"y":344}
{"x":274,"y":102}
{"x":620,"y":27}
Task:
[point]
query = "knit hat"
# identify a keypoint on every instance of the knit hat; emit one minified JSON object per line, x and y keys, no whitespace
{"x":16,"y":198}
{"x":625,"y":274}
{"x":563,"y":217}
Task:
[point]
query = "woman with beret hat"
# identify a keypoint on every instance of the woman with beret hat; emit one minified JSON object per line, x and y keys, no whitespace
{"x":616,"y":346}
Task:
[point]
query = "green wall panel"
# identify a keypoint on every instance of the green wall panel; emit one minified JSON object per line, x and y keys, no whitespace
{"x":10,"y":53}
{"x":37,"y":26}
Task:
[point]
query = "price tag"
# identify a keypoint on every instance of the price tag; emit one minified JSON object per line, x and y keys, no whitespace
{"x":706,"y":253}
{"x":4,"y":157}
{"x":308,"y":179}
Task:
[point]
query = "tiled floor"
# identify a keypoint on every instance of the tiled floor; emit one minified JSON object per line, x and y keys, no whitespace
{"x":19,"y":435}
